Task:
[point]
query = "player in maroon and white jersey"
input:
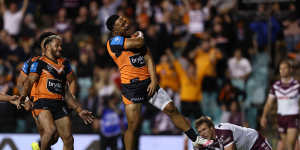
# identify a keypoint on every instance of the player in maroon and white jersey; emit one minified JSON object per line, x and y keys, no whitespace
{"x":287,"y":93}
{"x":228,"y":136}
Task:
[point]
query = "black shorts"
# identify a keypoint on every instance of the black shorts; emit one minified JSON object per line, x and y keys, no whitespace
{"x":58,"y":108}
{"x":136,"y":91}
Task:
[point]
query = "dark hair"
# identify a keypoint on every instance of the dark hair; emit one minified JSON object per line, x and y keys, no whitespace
{"x":205,"y":120}
{"x":111,"y":22}
{"x":287,"y":62}
{"x":43,"y":36}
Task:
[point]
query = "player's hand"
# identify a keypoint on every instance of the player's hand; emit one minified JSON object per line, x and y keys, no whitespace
{"x":16,"y":101}
{"x":28,"y":105}
{"x":138,"y":34}
{"x":86,"y":116}
{"x":263,"y":122}
{"x":152,"y":87}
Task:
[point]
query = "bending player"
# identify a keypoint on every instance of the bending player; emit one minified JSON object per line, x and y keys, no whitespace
{"x":286,"y":92}
{"x":53,"y":74}
{"x":228,"y":136}
{"x":139,"y":81}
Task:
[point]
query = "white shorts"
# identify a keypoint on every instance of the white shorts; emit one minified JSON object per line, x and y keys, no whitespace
{"x":160,"y":99}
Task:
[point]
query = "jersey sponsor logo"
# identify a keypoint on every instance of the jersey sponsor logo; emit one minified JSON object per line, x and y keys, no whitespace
{"x":287,"y":97}
{"x":55,"y":86}
{"x":137,"y":60}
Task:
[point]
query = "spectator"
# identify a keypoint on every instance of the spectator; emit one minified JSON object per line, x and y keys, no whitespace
{"x":82,"y":21}
{"x":62,"y":23}
{"x":229,"y":93}
{"x":195,"y":17}
{"x":206,"y":58}
{"x":163,"y":125}
{"x":13,"y":17}
{"x":239,"y":69}
{"x":236,"y":116}
{"x":109,"y":7}
{"x":109,"y":123}
{"x":168,"y":78}
{"x":291,"y":33}
{"x":70,"y":48}
{"x":29,"y":27}
{"x":14,"y":52}
{"x":190,"y":88}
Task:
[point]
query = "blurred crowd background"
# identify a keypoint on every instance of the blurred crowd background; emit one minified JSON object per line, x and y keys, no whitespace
{"x":214,"y":57}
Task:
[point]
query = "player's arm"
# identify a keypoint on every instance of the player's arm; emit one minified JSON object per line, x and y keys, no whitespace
{"x":34,"y":75}
{"x":71,"y":78}
{"x":28,"y":83}
{"x":85,"y":115}
{"x":6,"y":98}
{"x":25,"y":5}
{"x":267,"y":108}
{"x":151,"y":68}
{"x":136,"y":41}
{"x":20,"y":81}
{"x":70,"y":97}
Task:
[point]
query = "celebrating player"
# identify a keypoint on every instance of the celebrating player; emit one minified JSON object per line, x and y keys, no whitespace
{"x":139,"y":82}
{"x":52,"y":74}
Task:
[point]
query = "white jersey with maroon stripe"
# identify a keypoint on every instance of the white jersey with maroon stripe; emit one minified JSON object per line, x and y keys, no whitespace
{"x":243,"y":138}
{"x":287,"y":96}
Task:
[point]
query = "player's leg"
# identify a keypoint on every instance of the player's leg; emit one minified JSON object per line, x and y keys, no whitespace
{"x":178,"y":119}
{"x":162,"y":101}
{"x":133,"y":113}
{"x":280,"y":145}
{"x":291,"y":138}
{"x":54,"y":139}
{"x":64,"y":129}
{"x":283,"y":139}
{"x":46,"y":122}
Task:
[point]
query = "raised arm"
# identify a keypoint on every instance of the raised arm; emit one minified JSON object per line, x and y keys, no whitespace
{"x":2,"y":6}
{"x":25,"y":5}
{"x":151,"y":68}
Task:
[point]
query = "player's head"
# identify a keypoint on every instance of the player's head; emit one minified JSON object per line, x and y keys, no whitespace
{"x":205,"y":127}
{"x":285,"y":68}
{"x":42,"y":38}
{"x":52,"y":46}
{"x":118,"y":24}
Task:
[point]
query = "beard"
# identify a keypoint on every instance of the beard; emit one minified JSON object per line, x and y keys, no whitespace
{"x":56,"y":54}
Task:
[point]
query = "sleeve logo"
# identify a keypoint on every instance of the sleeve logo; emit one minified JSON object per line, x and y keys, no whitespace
{"x":118,"y":40}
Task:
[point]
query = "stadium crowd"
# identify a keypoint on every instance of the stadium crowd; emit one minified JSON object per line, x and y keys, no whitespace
{"x":214,"y":57}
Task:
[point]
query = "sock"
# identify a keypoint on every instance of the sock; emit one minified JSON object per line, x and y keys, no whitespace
{"x":191,"y":134}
